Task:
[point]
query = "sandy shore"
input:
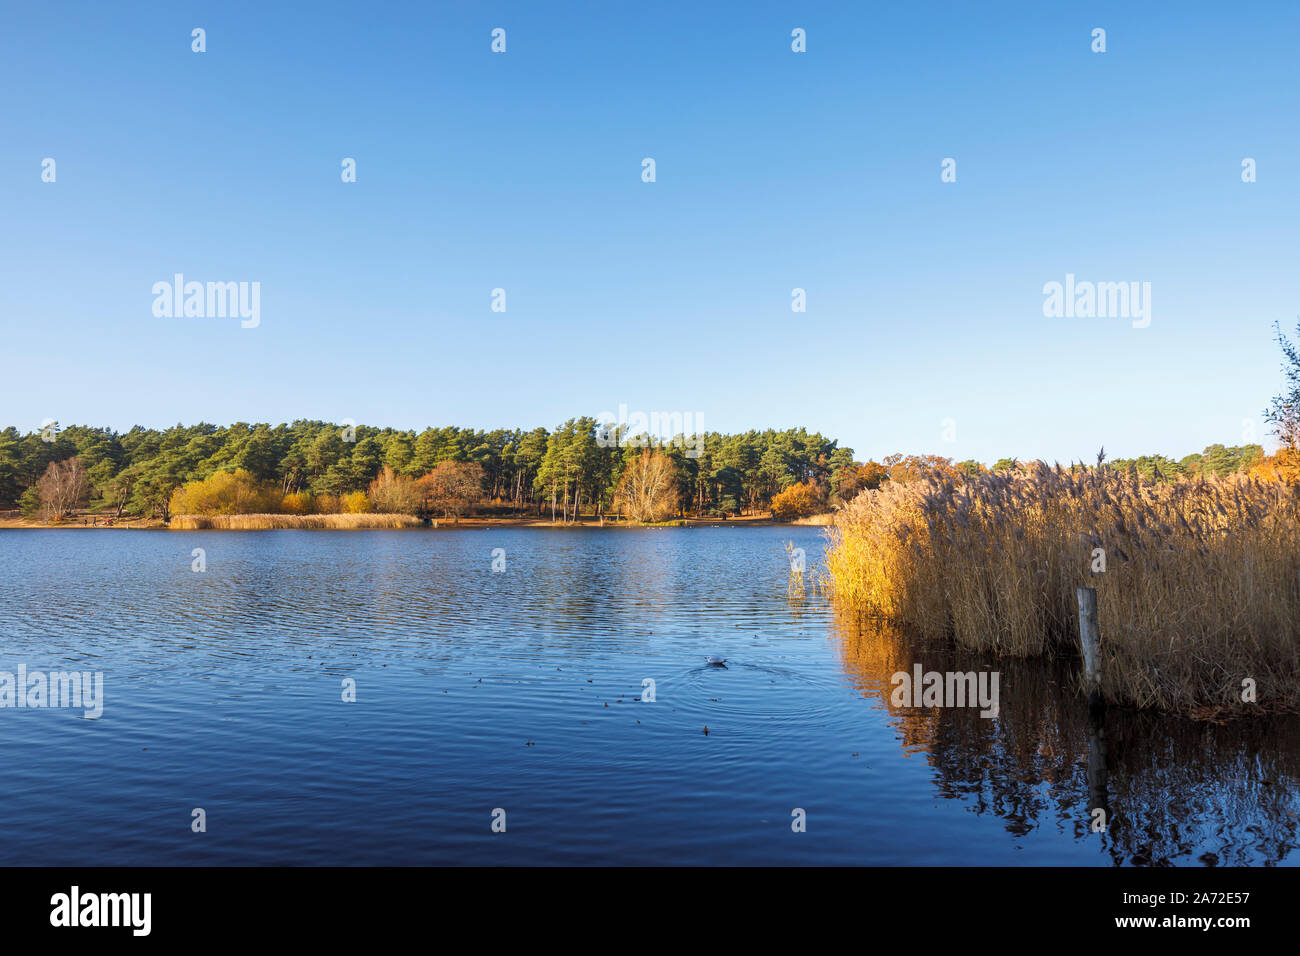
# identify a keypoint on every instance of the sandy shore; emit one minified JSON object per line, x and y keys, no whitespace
{"x":128,"y":523}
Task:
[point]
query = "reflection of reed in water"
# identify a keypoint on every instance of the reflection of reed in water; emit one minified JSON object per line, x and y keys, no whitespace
{"x":1174,"y":790}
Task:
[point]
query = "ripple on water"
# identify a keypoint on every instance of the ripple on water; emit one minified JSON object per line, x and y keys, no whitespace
{"x":753,"y":698}
{"x":520,"y":690}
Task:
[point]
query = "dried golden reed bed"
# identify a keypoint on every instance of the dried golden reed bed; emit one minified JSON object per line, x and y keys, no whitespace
{"x":262,"y":522}
{"x":1201,"y":587}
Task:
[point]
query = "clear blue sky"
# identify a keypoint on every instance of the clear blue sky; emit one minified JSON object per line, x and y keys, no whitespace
{"x":775,"y":170}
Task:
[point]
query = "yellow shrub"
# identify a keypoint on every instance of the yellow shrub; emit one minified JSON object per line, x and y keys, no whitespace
{"x":355,"y":503}
{"x":328,"y":505}
{"x":226,"y":493}
{"x":297,"y":503}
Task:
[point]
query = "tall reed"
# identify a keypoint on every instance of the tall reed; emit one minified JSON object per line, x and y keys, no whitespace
{"x":1200,"y":587}
{"x":262,"y":522}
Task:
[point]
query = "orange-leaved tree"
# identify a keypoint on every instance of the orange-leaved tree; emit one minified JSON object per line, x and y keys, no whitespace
{"x":798,"y":501}
{"x":453,"y":487}
{"x":916,"y":467}
{"x":1284,"y":465}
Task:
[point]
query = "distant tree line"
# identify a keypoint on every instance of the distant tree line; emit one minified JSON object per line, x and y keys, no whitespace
{"x":312,"y":465}
{"x":320,"y":467}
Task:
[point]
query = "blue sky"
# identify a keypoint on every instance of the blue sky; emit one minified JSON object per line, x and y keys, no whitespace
{"x":775,"y":170}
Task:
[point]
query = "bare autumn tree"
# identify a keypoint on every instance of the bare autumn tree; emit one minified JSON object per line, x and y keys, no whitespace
{"x":647,"y":491}
{"x":394,"y":494}
{"x":62,"y":488}
{"x":453,"y":487}
{"x":1284,"y":414}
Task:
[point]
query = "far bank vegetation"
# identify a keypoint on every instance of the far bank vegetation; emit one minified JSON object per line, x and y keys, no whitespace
{"x":567,"y":474}
{"x":392,"y":500}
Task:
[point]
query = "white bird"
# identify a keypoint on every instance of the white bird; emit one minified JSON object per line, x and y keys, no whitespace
{"x":715,"y":661}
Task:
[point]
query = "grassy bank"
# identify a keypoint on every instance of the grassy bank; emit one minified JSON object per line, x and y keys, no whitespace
{"x":1199,"y":589}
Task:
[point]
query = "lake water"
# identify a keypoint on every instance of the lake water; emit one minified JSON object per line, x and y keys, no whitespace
{"x":478,"y":690}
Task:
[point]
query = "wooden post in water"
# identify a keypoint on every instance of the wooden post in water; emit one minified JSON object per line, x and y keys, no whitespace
{"x":1090,"y":639}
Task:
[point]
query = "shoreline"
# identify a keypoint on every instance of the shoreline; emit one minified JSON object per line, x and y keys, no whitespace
{"x":9,"y":523}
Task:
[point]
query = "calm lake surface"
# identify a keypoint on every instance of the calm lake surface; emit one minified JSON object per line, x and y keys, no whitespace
{"x":518,"y":690}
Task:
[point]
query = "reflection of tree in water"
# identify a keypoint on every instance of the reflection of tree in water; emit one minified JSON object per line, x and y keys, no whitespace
{"x":1175,"y":790}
